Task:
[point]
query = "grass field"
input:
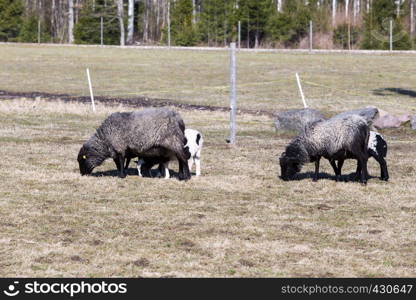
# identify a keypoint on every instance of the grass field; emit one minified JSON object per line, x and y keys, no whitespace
{"x":238,"y":219}
{"x":332,"y":82}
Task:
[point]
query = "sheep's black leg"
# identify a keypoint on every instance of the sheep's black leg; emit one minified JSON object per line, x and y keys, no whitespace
{"x":358,"y":171}
{"x":146,"y":169}
{"x":117,"y":163}
{"x":335,"y":168}
{"x":162,"y":170}
{"x":316,"y":169}
{"x":127,"y":163}
{"x":383,"y":167}
{"x":363,"y":167}
{"x":121,"y":173}
{"x":182,"y":155}
{"x":184,"y":173}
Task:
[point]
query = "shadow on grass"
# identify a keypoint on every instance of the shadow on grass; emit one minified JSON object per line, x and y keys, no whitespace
{"x":393,"y":91}
{"x":133,"y":172}
{"x":344,"y":178}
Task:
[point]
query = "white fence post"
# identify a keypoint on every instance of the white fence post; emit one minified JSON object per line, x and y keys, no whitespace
{"x":233,"y":95}
{"x":301,"y":91}
{"x":91,"y":94}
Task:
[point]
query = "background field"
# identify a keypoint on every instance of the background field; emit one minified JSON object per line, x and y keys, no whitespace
{"x":239,"y":218}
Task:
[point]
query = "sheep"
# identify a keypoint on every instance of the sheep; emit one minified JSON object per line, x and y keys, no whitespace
{"x":194,"y":145}
{"x":146,"y":133}
{"x":330,"y":139}
{"x":377,"y":148}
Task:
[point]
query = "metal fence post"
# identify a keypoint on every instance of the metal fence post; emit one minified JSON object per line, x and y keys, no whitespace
{"x":233,"y":95}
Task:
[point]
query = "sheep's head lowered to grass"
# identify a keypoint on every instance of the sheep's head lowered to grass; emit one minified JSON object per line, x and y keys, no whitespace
{"x":292,"y":160}
{"x":88,"y":159}
{"x":289,"y":166}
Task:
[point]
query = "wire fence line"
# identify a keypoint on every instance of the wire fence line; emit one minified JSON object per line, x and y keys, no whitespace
{"x":260,"y":50}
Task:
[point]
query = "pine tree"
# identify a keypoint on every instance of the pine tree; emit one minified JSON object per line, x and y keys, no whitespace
{"x":377,"y":27}
{"x":88,"y":28}
{"x":11,"y":21}
{"x":254,"y":15}
{"x":291,"y":25}
{"x":217,"y":22}
{"x":182,"y":30}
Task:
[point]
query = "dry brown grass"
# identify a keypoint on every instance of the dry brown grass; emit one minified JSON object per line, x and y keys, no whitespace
{"x":237,"y":219}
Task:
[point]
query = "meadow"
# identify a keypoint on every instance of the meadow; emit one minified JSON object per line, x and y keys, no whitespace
{"x":239,"y":219}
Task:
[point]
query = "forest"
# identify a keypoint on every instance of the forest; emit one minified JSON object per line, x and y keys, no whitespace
{"x":337,"y":24}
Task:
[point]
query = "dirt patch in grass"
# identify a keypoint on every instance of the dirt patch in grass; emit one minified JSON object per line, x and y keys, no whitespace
{"x":128,"y":102}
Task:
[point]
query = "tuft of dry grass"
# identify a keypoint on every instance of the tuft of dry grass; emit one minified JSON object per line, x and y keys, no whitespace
{"x":237,"y":219}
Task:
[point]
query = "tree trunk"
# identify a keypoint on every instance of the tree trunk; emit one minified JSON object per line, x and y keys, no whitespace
{"x":146,"y":22}
{"x":130,"y":26}
{"x":120,"y":16}
{"x":53,"y":25}
{"x":356,"y":10}
{"x":412,"y":17}
{"x":347,"y":6}
{"x":279,"y":5}
{"x":193,"y":12}
{"x":398,"y":3}
{"x":71,"y":21}
{"x":334,"y":12}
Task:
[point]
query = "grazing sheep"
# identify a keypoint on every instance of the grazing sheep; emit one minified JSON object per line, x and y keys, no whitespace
{"x":377,"y":148}
{"x":193,"y":145}
{"x":146,"y":133}
{"x":330,"y":139}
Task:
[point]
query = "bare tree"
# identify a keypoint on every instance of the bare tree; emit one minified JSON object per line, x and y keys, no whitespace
{"x":193,"y":12}
{"x":334,"y":11}
{"x":120,"y":16}
{"x":347,"y":6}
{"x":356,"y":9}
{"x":70,"y":21}
{"x":398,"y":3}
{"x":130,"y":26}
{"x":146,"y":21}
{"x":412,"y":17}
{"x":279,"y":5}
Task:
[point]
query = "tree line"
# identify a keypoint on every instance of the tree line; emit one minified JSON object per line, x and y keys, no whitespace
{"x":261,"y":23}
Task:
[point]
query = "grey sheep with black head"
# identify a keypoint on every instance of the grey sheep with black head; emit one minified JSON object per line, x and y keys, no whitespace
{"x":147,"y":133}
{"x":330,"y":139}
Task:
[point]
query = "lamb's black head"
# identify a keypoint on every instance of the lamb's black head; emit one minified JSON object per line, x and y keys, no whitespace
{"x":381,"y":146}
{"x":86,"y":160}
{"x":289,"y":166}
